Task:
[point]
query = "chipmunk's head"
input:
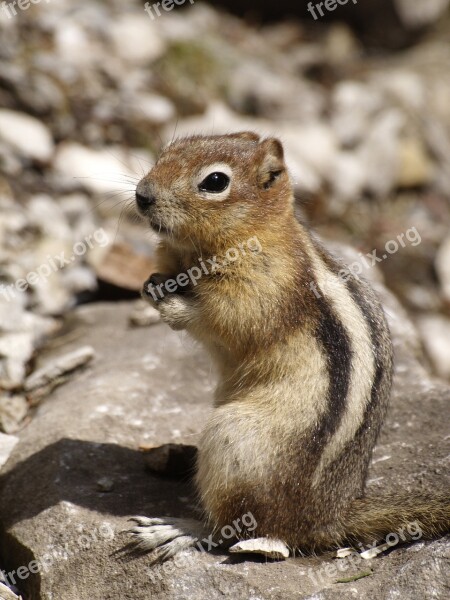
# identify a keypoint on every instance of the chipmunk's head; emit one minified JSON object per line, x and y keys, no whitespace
{"x":207,"y":188}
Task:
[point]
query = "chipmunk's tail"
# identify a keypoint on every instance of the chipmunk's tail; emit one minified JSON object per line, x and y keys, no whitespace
{"x":409,"y":518}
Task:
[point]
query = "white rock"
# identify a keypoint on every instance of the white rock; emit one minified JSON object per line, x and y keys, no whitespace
{"x":353,"y":105}
{"x":99,"y":171}
{"x":155,"y":108}
{"x":16,"y":349}
{"x":72,"y":44}
{"x":443,"y":267}
{"x":435,"y":333}
{"x":136,"y":38}
{"x":28,"y":136}
{"x":380,"y":152}
{"x":415,"y":14}
{"x":46,"y":214}
{"x":7,"y":443}
{"x":404,"y":86}
{"x":267,"y":547}
{"x":347,"y":176}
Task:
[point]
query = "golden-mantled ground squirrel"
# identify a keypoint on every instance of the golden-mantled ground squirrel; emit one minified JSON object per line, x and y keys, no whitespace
{"x":303,"y":352}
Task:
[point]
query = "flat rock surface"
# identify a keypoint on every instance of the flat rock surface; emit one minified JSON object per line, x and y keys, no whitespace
{"x":76,"y":475}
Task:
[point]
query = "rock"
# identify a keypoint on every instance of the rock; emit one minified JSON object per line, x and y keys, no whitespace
{"x":154,"y":108}
{"x":353,"y":105}
{"x":45,"y":379}
{"x":6,"y":593}
{"x":435,"y":332}
{"x":347,"y":178}
{"x":415,"y":15}
{"x":122,"y":266}
{"x":7,"y":443}
{"x":99,"y":171}
{"x":257,"y":90}
{"x":47,"y":215}
{"x":136,"y":38}
{"x":13,"y":410}
{"x":16,"y":349}
{"x":443,"y":267}
{"x":416,"y":168}
{"x":26,"y":135}
{"x":150,"y":387}
{"x":380,"y":153}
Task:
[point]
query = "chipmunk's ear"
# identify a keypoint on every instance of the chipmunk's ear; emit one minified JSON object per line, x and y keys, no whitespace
{"x":272,"y":162}
{"x":247,"y":136}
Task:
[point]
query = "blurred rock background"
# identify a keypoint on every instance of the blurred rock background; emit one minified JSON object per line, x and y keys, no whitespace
{"x":90,"y":90}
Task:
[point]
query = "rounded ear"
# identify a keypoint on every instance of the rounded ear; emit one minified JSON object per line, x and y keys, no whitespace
{"x":248,"y":136}
{"x":272,"y":162}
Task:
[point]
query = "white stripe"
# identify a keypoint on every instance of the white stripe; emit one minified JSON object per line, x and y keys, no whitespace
{"x":362,"y":375}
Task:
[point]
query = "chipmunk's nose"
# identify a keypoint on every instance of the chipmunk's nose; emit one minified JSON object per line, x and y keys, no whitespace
{"x":144,"y":201}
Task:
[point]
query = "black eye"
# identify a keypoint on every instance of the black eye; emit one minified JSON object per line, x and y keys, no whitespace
{"x":215,"y":183}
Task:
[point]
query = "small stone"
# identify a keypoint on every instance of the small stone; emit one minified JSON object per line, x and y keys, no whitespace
{"x":274,"y":549}
{"x":122,"y":266}
{"x":13,"y":410}
{"x":105,"y":484}
{"x":28,"y":136}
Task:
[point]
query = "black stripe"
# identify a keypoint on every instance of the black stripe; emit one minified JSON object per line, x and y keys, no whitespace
{"x":336,"y":345}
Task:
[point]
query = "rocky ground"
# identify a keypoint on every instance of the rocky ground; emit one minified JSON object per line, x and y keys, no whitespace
{"x":87,"y":375}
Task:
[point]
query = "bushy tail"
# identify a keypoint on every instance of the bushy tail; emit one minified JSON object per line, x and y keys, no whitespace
{"x":407,"y":517}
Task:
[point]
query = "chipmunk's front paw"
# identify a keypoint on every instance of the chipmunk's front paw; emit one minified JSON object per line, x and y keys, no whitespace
{"x":163,"y":538}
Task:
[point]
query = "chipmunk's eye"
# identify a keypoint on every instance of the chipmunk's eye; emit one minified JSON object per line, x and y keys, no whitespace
{"x":215,"y":183}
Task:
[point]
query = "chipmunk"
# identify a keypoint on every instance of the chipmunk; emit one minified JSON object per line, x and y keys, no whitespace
{"x":304,"y":377}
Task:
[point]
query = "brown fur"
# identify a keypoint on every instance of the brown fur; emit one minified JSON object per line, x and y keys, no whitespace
{"x":295,"y":422}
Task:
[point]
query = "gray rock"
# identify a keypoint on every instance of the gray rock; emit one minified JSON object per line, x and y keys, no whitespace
{"x":152,"y":386}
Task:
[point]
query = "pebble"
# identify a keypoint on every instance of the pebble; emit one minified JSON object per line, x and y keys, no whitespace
{"x":45,"y":379}
{"x":29,"y":137}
